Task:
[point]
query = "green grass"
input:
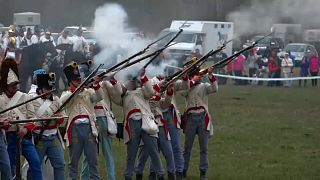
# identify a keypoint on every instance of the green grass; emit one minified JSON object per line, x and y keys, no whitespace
{"x":260,"y":133}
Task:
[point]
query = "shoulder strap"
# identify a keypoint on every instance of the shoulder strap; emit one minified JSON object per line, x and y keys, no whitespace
{"x":14,"y":100}
{"x":44,"y":107}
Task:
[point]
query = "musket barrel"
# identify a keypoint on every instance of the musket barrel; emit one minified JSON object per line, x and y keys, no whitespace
{"x":37,"y":120}
{"x":30,"y":100}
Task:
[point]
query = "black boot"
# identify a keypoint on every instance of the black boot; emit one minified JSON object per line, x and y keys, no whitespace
{"x":152,"y":176}
{"x":171,"y":176}
{"x":184,"y":174}
{"x":203,"y":175}
{"x":178,"y":175}
{"x":161,"y":178}
{"x":138,"y":176}
{"x":127,"y":178}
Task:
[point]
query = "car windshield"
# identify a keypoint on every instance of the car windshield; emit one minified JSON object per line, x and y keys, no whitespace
{"x":185,"y":38}
{"x":87,"y":35}
{"x":295,"y":48}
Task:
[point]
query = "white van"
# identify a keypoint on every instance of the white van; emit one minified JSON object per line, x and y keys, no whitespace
{"x":202,"y":35}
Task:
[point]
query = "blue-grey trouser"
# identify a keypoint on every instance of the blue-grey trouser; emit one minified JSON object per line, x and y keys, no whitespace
{"x":28,"y":150}
{"x":150,"y":144}
{"x":82,"y":140}
{"x":105,"y":142}
{"x":5,"y":169}
{"x":165,"y":148}
{"x":196,"y":125}
{"x":175,"y":139}
{"x":51,"y":146}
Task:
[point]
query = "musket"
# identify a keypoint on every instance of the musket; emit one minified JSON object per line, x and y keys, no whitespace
{"x":188,"y":69}
{"x":200,"y":61}
{"x":229,"y":59}
{"x":18,"y":175}
{"x":30,"y":100}
{"x":159,"y":52}
{"x":132,"y":57}
{"x":78,"y":89}
{"x":38,"y":119}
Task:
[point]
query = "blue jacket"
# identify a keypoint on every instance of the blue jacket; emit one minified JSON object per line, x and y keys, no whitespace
{"x":304,"y":69}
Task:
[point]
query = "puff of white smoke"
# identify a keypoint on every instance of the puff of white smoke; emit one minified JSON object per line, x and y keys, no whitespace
{"x":160,"y":69}
{"x":116,"y":39}
{"x":261,"y":15}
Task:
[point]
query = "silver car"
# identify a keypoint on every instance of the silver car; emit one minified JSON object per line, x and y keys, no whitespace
{"x":301,"y":50}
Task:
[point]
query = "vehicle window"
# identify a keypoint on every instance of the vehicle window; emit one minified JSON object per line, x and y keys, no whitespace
{"x":185,"y":38}
{"x":199,"y":39}
{"x":314,"y":51}
{"x":309,"y":50}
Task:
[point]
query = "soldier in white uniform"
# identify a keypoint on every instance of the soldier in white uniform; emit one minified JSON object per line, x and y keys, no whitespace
{"x":49,"y":143}
{"x":5,"y":168}
{"x":157,"y":104}
{"x":139,"y":123}
{"x":20,"y":132}
{"x":106,"y":122}
{"x":197,"y":120}
{"x":172,"y":117}
{"x":81,"y":133}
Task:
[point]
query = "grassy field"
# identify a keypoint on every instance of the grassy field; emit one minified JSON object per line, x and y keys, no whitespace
{"x":260,"y":133}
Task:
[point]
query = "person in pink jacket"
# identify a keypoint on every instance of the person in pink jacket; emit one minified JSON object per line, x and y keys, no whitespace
{"x":238,"y":67}
{"x":314,"y":68}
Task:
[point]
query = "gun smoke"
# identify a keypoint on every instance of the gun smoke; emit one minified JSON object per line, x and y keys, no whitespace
{"x":119,"y":41}
{"x":261,"y":15}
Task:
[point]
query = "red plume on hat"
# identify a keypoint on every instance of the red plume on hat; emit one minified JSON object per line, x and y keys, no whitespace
{"x":8,"y":73}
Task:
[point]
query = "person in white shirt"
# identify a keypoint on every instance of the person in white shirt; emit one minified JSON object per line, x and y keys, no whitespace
{"x":64,"y":38}
{"x":47,"y":37}
{"x":36,"y":36}
{"x":9,"y":40}
{"x":79,"y":46}
{"x":26,"y":40}
{"x":286,"y":65}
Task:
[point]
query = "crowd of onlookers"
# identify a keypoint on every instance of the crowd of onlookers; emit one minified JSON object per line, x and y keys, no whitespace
{"x":274,"y":66}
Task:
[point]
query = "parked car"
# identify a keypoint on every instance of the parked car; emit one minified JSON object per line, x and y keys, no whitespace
{"x":265,"y":45}
{"x":300,"y":51}
{"x":73,"y":30}
{"x":88,"y":35}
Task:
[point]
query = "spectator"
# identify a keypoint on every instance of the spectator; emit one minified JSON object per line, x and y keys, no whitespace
{"x":304,"y":66}
{"x":79,"y":45}
{"x":286,"y":65}
{"x":238,"y":66}
{"x":252,"y":61}
{"x":47,"y":38}
{"x":314,"y":69}
{"x":273,"y":67}
{"x":64,"y":38}
{"x":26,"y":40}
{"x":36,"y":36}
{"x":196,"y":54}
